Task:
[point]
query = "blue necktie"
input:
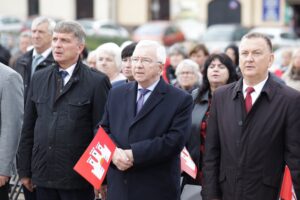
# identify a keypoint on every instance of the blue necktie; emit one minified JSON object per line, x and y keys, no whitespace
{"x":140,"y":101}
{"x":63,"y":74}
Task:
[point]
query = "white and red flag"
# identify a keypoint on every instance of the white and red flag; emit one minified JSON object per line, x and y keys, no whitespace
{"x":94,"y":162}
{"x":187,"y":164}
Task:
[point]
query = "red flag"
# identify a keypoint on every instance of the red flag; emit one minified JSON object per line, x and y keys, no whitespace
{"x":287,"y":192}
{"x":187,"y":164}
{"x":94,"y":162}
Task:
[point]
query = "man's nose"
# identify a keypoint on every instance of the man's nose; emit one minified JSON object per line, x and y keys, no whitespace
{"x":249,"y":57}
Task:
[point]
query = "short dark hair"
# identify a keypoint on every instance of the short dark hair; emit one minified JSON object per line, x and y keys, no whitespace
{"x":236,"y":53}
{"x":69,"y":26}
{"x":259,"y":35}
{"x":128,"y":50}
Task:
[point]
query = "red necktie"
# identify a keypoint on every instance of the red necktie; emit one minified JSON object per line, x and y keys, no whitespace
{"x":248,"y":99}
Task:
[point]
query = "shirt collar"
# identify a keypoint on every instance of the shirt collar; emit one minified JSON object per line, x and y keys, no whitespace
{"x":70,"y":69}
{"x":44,"y":54}
{"x":151,"y":87}
{"x":258,"y":87}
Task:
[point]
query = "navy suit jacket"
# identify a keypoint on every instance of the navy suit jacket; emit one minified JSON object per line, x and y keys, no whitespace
{"x":156,"y":136}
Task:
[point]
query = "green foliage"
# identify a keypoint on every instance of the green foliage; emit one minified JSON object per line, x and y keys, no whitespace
{"x":92,"y":42}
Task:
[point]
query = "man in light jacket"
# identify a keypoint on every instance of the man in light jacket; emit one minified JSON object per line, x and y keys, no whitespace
{"x":11,"y":118}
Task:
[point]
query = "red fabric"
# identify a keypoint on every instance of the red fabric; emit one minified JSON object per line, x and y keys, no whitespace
{"x":248,"y":99}
{"x":187,"y":163}
{"x":203,"y":128}
{"x":287,"y":186}
{"x":164,"y":73}
{"x":278,"y":73}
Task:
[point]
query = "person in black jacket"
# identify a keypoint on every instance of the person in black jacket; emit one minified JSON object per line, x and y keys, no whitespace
{"x":41,"y":33}
{"x":65,"y":102}
{"x":253,"y":131}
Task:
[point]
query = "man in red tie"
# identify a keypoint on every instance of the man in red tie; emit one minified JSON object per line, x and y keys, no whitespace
{"x":253,"y":131}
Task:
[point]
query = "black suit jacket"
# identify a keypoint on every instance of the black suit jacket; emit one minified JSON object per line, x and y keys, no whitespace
{"x":58,"y":126}
{"x":245,"y":154}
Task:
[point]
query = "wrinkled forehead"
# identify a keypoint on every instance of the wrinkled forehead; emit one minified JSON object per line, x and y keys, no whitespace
{"x":63,"y":34}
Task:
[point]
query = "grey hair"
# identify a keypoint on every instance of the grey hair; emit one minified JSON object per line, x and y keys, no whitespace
{"x":191,"y":65}
{"x":40,"y":20}
{"x":69,"y":26}
{"x":25,"y":34}
{"x":111,"y":49}
{"x":160,"y":50}
{"x":255,"y":35}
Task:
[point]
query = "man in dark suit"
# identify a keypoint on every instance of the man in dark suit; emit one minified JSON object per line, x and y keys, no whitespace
{"x":65,"y":102}
{"x":40,"y":56}
{"x":149,"y":139}
{"x":253,"y":131}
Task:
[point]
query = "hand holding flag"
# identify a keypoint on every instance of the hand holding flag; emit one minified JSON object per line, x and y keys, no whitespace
{"x":94,"y":162}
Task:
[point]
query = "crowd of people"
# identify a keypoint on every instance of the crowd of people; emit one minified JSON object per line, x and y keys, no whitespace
{"x":239,"y":122}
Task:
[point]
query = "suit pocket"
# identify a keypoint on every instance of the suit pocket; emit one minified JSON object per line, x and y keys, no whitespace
{"x":79,"y":109}
{"x":273,"y":181}
{"x":40,"y":103}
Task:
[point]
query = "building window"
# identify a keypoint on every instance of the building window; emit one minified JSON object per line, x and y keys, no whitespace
{"x":33,"y":7}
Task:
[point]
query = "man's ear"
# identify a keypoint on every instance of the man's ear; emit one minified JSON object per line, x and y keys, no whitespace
{"x":271,"y":60}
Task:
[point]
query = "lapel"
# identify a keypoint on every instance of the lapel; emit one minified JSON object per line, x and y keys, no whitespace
{"x":200,"y":109}
{"x":156,"y":96}
{"x":130,"y":97}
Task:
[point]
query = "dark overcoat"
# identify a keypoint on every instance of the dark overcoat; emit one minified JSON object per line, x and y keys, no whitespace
{"x":246,"y":153}
{"x":156,"y":136}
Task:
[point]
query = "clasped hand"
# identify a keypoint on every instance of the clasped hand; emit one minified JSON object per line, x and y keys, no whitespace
{"x":123,"y":159}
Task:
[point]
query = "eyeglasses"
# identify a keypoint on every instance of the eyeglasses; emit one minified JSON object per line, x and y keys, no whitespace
{"x":144,"y":61}
{"x":186,"y":73}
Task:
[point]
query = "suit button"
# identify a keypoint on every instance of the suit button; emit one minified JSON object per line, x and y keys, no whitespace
{"x":125,"y":181}
{"x":49,"y":147}
{"x":240,"y":123}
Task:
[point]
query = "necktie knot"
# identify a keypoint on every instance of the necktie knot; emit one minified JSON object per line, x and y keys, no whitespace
{"x":249,"y":90}
{"x":63,"y":74}
{"x":143,"y":92}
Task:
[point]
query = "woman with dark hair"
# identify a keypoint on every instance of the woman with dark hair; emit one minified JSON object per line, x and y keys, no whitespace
{"x":218,"y":70}
{"x":233,"y":52}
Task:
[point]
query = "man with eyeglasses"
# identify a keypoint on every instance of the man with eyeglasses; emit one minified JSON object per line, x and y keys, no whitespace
{"x":150,"y":132}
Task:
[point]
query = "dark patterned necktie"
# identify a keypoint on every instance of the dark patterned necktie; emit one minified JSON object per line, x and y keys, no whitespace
{"x":63,"y":74}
